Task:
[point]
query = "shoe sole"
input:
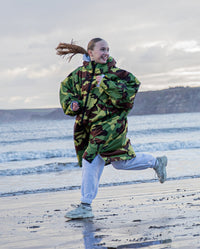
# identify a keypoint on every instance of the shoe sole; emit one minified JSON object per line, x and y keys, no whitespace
{"x":165,"y":165}
{"x":74,"y":217}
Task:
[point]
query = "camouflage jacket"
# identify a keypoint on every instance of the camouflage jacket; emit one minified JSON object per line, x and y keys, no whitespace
{"x":101,"y":121}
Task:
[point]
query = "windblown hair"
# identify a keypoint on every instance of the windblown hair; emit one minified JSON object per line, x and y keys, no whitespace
{"x":64,"y":49}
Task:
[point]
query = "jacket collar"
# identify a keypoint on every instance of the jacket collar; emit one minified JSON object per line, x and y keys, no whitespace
{"x":103,"y":68}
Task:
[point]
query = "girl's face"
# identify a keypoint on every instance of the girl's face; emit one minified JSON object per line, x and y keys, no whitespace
{"x":100,"y":53}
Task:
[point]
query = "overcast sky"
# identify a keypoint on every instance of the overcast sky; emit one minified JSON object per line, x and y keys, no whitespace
{"x":157,"y":40}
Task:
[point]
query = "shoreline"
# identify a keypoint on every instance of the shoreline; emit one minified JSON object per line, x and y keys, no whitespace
{"x":101,"y":185}
{"x":137,"y":215}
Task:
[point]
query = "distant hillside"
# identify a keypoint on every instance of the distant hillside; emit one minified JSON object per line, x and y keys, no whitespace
{"x":31,"y":114}
{"x":172,"y":100}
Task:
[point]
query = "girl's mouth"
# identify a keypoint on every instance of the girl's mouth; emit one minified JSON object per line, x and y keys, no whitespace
{"x":104,"y":57}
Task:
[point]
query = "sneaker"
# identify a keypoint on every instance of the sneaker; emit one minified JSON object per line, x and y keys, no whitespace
{"x":160,"y":168}
{"x":81,"y":211}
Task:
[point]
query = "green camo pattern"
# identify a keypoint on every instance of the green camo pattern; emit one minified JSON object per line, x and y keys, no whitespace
{"x":102,"y":129}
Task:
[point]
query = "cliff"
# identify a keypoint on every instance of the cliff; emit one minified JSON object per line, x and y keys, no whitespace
{"x":172,"y":100}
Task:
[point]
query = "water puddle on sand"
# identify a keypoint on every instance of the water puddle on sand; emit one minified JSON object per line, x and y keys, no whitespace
{"x":142,"y":244}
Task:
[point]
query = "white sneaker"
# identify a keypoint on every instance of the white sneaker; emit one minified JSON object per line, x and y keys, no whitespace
{"x":81,"y":211}
{"x":160,"y":168}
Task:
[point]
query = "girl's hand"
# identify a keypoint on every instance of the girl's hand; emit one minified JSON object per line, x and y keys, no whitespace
{"x":99,"y":79}
{"x":75,"y":106}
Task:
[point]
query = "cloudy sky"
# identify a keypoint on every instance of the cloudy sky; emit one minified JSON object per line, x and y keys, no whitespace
{"x":157,"y":40}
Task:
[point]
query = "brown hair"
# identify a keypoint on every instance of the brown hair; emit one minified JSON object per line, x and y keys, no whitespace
{"x":92,"y":43}
{"x":71,"y":48}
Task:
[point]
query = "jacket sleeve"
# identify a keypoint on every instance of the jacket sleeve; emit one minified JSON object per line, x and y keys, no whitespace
{"x":121,"y":87}
{"x":69,"y":92}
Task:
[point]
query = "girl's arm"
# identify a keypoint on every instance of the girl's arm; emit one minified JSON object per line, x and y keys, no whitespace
{"x":70,"y":96}
{"x":121,"y":87}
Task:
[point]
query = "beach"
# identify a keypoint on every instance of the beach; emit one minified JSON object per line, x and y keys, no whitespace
{"x":40,"y":179}
{"x":144,"y":215}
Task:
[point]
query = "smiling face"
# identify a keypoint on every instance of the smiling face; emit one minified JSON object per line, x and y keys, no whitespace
{"x":100,"y":52}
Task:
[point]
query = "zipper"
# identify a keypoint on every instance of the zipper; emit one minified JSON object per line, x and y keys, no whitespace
{"x":89,"y":87}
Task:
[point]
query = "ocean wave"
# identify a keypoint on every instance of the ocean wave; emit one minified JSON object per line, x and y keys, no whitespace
{"x":166,"y":146}
{"x":172,"y":130}
{"x":43,"y":169}
{"x":36,"y":140}
{"x":67,"y":188}
{"x":153,"y":131}
{"x":58,"y":153}
{"x":34,"y":155}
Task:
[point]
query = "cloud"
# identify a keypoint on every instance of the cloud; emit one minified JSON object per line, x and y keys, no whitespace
{"x":14,"y":99}
{"x":15,"y":72}
{"x":187,"y":46}
{"x":29,"y":100}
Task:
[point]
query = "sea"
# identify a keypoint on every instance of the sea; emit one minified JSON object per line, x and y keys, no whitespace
{"x":39,"y":156}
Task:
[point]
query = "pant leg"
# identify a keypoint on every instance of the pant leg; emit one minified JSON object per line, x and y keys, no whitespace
{"x":140,"y":162}
{"x":91,"y":173}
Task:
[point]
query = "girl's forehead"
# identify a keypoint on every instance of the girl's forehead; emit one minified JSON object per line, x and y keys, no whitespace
{"x":101,"y":43}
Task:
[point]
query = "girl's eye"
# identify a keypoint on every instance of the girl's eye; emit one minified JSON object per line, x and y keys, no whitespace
{"x":104,"y":49}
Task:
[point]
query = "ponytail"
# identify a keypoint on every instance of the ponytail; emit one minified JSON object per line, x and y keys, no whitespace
{"x":64,"y":49}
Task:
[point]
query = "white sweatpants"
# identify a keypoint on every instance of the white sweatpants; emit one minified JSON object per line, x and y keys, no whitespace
{"x":91,"y":172}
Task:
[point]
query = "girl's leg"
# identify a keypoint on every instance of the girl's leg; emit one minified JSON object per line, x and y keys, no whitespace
{"x":140,"y":162}
{"x":145,"y":161}
{"x":91,"y":173}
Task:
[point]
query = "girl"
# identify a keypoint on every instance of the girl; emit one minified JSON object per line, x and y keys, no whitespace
{"x":101,"y":95}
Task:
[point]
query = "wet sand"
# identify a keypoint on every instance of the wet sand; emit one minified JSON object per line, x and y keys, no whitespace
{"x":145,"y":215}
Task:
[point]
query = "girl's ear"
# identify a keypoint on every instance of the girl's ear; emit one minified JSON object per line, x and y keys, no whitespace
{"x":90,"y":53}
